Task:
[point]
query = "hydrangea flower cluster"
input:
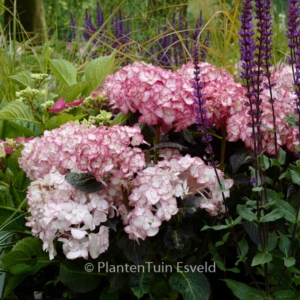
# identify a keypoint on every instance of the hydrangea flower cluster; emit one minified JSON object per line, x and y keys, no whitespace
{"x":283,"y":94}
{"x":161,"y":96}
{"x":224,"y":97}
{"x":103,"y":151}
{"x":155,"y":189}
{"x":58,"y":210}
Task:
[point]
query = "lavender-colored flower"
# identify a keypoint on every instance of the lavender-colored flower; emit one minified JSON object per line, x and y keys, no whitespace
{"x":73,"y":27}
{"x":99,"y":16}
{"x":90,"y":29}
{"x":200,"y":101}
{"x":294,"y":60}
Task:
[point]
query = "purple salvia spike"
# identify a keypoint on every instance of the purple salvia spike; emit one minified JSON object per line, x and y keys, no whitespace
{"x":73,"y":27}
{"x":99,"y":16}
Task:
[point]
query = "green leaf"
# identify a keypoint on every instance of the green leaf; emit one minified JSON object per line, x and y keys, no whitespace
{"x":261,"y":258}
{"x":289,"y":261}
{"x":272,"y":241}
{"x":73,"y":275}
{"x":188,"y":136}
{"x":26,"y":251}
{"x":134,"y":251}
{"x":121,"y":119}
{"x":176,"y":239}
{"x":106,"y":295}
{"x":117,"y":281}
{"x":216,"y":227}
{"x":97,"y":70}
{"x":246,"y":212}
{"x":243,"y":291}
{"x":64,"y":71}
{"x":240,"y":157}
{"x":287,"y":295}
{"x":140,"y":283}
{"x":295,"y":177}
{"x":189,"y":206}
{"x":288,"y":210}
{"x":281,"y":156}
{"x":56,"y":121}
{"x":24,"y":78}
{"x":84,"y":182}
{"x":159,"y":287}
{"x":266,"y":162}
{"x":12,"y":283}
{"x":71,"y":93}
{"x":284,"y":244}
{"x":168,"y":145}
{"x":243,"y":246}
{"x":17,"y":111}
{"x":224,"y":240}
{"x":191,"y":285}
{"x":272,"y":216}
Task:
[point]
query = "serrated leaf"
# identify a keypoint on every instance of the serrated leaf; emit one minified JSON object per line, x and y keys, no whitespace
{"x":134,"y":251}
{"x":24,"y":251}
{"x":63,"y":70}
{"x":159,"y":287}
{"x":175,"y":239}
{"x":117,"y":281}
{"x":168,"y":145}
{"x":71,"y":93}
{"x":140,"y":283}
{"x":191,"y":285}
{"x":84,"y":182}
{"x":56,"y":121}
{"x":73,"y":275}
{"x":97,"y":70}
{"x":120,"y":119}
{"x":189,"y":206}
{"x":17,"y":111}
{"x":261,"y":258}
{"x":24,"y":78}
{"x":243,"y":291}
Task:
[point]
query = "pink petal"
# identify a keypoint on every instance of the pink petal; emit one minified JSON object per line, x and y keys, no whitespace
{"x":75,"y":103}
{"x":59,"y":105}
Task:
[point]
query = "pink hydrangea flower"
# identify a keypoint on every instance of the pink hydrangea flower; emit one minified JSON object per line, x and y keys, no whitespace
{"x":60,"y":211}
{"x":283,"y":95}
{"x":161,"y":96}
{"x":224,"y":97}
